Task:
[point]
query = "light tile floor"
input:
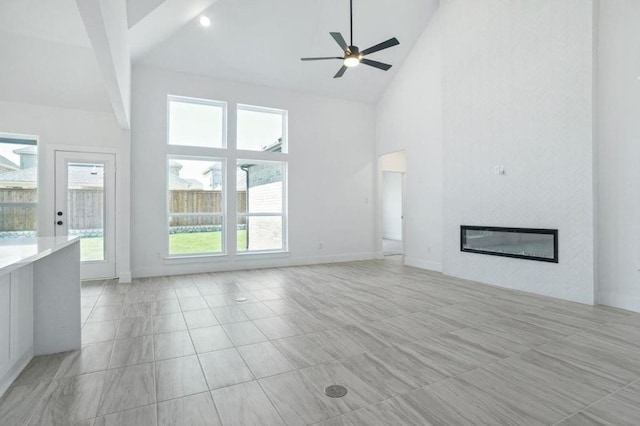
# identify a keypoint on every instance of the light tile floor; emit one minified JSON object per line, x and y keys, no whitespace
{"x":412,"y":347}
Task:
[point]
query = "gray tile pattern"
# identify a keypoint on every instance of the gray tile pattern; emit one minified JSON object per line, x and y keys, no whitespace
{"x":413,"y":348}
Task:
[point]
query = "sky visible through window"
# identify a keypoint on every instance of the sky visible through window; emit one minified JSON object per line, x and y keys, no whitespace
{"x":258,"y":129}
{"x":6,"y":150}
{"x":195,"y":170}
{"x":194,"y":124}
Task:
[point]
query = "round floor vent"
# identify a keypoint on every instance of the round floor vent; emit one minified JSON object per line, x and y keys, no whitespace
{"x":335,"y":391}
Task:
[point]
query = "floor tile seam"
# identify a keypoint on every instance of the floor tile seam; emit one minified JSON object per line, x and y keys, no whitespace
{"x":564,"y":336}
{"x":41,"y":402}
{"x":274,"y":406}
{"x":125,"y":410}
{"x":122,"y":411}
{"x":517,"y":355}
{"x":255,"y":377}
{"x":479,"y":367}
{"x":599,"y":400}
{"x":102,"y":390}
{"x":578,"y":333}
{"x":401,"y":394}
{"x":86,"y":321}
{"x":204,"y":376}
{"x":113,"y":346}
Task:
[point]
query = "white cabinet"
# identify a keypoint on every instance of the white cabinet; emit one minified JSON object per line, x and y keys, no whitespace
{"x":22,"y":311}
{"x":16,"y":323}
{"x":39,"y":301}
{"x":5,"y":322}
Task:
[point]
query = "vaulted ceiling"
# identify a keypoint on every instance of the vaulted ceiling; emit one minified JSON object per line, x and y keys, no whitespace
{"x":261,"y":42}
{"x":47,"y":57}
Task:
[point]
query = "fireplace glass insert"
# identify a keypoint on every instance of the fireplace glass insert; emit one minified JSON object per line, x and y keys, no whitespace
{"x":522,"y":243}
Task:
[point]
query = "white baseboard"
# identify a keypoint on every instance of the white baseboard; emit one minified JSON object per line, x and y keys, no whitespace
{"x":124,"y":277}
{"x":618,"y":300}
{"x":423,"y":264}
{"x":243,"y":264}
{"x":392,"y":237}
{"x":13,"y":372}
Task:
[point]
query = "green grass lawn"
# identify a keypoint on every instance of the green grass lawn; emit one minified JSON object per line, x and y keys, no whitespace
{"x":201,"y":242}
{"x":91,"y":249}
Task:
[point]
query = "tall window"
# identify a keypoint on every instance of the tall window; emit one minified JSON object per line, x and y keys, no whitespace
{"x":196,"y":206}
{"x":18,"y":186}
{"x":197,"y":189}
{"x":197,"y":122}
{"x":262,"y":129}
{"x":261,"y":207}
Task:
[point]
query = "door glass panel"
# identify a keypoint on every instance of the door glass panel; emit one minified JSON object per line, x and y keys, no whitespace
{"x":85,"y":183}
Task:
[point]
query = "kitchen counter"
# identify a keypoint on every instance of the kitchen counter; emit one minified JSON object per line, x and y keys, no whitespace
{"x":39,"y":301}
{"x":17,"y":252}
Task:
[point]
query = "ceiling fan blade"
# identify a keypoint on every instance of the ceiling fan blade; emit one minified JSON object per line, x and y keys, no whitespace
{"x":340,"y":72}
{"x":375,"y":64}
{"x":321,"y":58}
{"x":340,"y":40}
{"x":384,"y":45}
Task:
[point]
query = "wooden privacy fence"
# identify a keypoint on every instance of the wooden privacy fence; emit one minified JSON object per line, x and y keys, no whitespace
{"x":86,"y":207}
{"x":181,"y":201}
{"x":18,"y":208}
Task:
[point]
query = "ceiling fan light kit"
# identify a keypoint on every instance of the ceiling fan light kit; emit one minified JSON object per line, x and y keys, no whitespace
{"x":352,"y":55}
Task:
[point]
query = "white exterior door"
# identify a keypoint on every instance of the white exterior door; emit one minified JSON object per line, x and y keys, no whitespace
{"x":85,"y":207}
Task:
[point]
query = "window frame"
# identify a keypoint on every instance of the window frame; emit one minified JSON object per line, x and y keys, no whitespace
{"x":31,"y":140}
{"x":229,"y":155}
{"x":223,"y":214}
{"x":199,"y":101}
{"x":283,"y":214}
{"x":285,"y":126}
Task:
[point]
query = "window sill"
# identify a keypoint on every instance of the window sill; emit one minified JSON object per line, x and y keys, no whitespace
{"x":263,"y":254}
{"x":195,"y":258}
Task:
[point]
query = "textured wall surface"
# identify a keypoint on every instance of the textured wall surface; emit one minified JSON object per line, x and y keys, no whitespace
{"x":517,"y":91}
{"x":618,"y":153}
{"x":408,"y":117}
{"x":330,"y":214}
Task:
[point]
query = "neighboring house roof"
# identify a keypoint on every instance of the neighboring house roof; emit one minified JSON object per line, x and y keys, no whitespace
{"x":6,"y":163}
{"x":33,"y":150}
{"x":22,"y":175}
{"x":78,"y":176}
{"x":85,"y":176}
{"x":176,"y":182}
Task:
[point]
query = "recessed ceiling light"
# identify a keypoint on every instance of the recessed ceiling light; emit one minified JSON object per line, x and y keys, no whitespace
{"x":205,"y":21}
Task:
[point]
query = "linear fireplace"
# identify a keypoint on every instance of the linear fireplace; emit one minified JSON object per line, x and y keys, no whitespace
{"x":521,"y":243}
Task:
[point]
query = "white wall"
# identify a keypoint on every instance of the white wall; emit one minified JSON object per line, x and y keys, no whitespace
{"x":619,"y":153}
{"x":409,"y":117}
{"x":117,"y":28}
{"x":330,"y":176}
{"x":392,"y":205}
{"x":517,"y":91}
{"x":106,"y":24}
{"x":79,"y":130}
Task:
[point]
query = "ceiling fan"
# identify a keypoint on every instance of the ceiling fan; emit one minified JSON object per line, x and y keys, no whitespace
{"x":352,"y":55}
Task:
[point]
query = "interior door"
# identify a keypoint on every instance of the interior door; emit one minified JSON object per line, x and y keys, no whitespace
{"x":85,"y":207}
